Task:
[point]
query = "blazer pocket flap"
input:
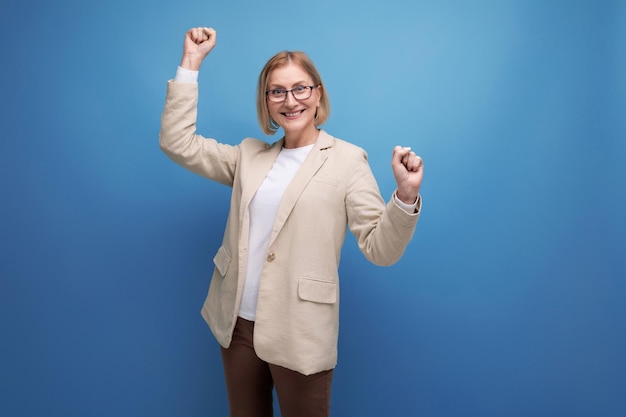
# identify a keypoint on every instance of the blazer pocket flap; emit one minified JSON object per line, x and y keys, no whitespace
{"x":222,"y":260}
{"x":317,"y":291}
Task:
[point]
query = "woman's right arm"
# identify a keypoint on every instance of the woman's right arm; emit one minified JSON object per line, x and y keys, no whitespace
{"x":178,"y":138}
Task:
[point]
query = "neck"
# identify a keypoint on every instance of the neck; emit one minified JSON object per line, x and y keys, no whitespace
{"x":300,"y":139}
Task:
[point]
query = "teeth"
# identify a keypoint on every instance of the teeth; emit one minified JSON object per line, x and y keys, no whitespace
{"x":292,"y":114}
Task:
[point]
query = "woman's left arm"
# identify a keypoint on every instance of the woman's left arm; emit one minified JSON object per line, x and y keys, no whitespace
{"x":384,"y":230}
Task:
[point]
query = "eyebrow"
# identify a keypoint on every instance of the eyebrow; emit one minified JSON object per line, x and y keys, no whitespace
{"x":277,"y":85}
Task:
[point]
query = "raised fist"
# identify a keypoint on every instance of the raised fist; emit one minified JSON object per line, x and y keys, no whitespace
{"x":408,"y":170}
{"x":198,"y":43}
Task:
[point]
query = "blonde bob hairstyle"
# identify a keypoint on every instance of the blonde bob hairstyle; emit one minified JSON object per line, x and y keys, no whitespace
{"x":268,"y":125}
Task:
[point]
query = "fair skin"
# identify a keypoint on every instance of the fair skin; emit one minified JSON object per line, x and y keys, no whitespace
{"x":296,"y":117}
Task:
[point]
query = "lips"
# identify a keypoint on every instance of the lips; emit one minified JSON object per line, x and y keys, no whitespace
{"x":293,"y":114}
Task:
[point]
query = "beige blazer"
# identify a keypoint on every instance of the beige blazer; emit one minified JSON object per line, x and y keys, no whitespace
{"x":297,"y":317}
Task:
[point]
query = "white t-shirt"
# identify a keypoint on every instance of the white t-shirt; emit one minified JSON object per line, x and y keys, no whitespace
{"x":263,"y":209}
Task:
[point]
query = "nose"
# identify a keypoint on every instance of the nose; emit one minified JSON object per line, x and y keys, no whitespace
{"x":290,"y":100}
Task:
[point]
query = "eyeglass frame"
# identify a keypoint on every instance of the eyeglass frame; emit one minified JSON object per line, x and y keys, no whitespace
{"x":310,"y":87}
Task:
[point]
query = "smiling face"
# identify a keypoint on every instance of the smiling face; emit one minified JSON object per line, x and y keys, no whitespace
{"x":308,"y":72}
{"x":296,"y":117}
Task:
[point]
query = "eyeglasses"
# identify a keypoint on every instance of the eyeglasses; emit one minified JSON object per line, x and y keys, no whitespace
{"x":300,"y":92}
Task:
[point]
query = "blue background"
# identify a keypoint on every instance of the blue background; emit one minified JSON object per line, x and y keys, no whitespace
{"x":508,"y":302}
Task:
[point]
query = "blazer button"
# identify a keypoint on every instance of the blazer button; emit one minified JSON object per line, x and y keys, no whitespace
{"x":270,"y":257}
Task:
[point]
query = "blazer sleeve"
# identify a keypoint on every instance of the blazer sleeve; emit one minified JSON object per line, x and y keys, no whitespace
{"x":383,"y":231}
{"x":179,"y":141}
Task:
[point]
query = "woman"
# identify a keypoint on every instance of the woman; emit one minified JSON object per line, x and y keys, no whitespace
{"x":273,"y":299}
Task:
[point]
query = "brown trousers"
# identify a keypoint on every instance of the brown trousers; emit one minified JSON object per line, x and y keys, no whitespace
{"x":250,"y":381}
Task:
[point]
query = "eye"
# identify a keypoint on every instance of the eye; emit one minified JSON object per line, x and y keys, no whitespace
{"x":299,"y":88}
{"x":278,"y":92}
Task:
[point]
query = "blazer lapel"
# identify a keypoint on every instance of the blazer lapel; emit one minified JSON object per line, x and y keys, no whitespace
{"x":257,"y":173}
{"x":310,"y":166}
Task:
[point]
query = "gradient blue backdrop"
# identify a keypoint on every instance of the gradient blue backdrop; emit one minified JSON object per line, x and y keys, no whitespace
{"x":509,"y":301}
